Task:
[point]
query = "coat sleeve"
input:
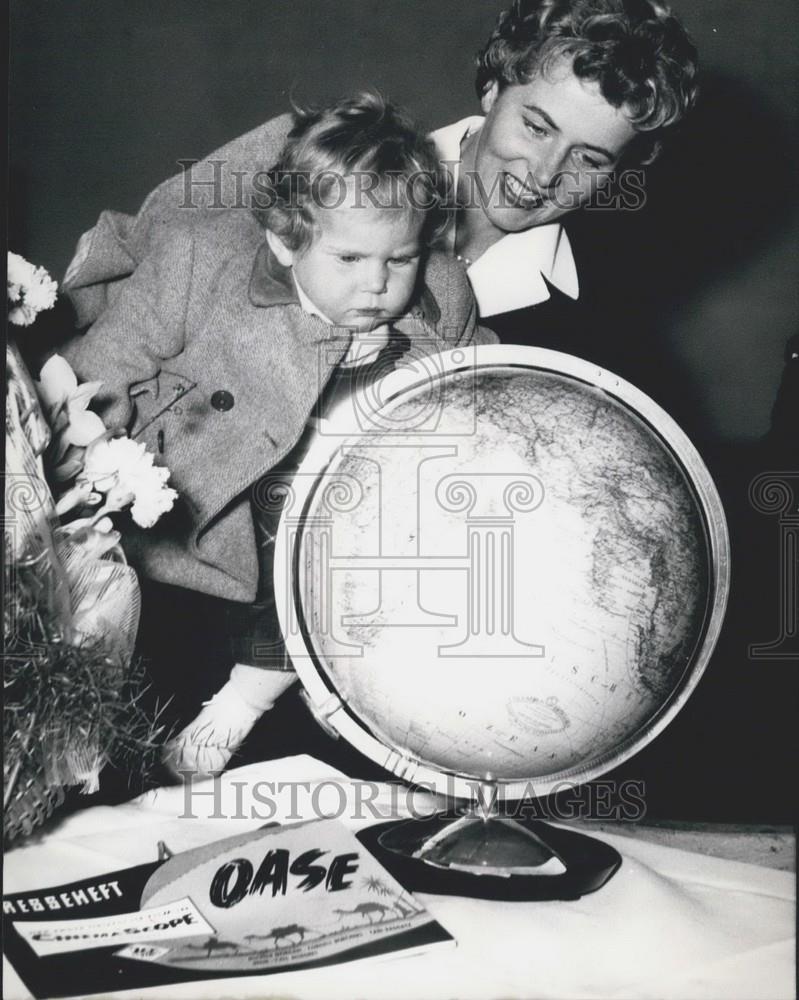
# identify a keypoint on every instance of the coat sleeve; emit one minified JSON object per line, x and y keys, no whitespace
{"x":144,"y":325}
{"x":231,"y":178}
{"x":457,"y":324}
{"x":473,"y":333}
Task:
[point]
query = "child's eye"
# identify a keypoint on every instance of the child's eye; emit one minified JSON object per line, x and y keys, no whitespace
{"x":349,"y":258}
{"x":402,"y":261}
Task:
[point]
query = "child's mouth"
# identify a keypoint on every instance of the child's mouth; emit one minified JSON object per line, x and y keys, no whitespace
{"x":372,"y":317}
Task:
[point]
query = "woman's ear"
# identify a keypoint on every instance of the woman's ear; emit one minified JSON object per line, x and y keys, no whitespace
{"x":279,"y":249}
{"x":489,"y":96}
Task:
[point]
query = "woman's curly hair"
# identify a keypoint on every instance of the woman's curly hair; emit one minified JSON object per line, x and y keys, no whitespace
{"x":636,"y":50}
{"x":363,"y":138}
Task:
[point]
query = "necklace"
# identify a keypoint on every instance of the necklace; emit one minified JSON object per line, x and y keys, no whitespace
{"x":464,"y":260}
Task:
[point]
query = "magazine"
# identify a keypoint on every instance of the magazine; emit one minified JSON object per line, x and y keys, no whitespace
{"x":274,"y":900}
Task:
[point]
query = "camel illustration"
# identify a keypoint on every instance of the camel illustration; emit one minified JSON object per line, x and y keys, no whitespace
{"x":214,"y":944}
{"x":366,"y":910}
{"x":278,"y":934}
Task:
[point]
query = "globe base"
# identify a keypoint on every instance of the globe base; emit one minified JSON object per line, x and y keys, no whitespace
{"x":497,"y":857}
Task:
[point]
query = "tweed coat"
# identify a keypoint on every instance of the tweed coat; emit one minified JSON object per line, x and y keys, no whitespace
{"x":230,"y":180}
{"x":206,"y":355}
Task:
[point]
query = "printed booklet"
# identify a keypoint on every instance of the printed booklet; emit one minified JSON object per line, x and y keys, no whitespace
{"x":278,"y":899}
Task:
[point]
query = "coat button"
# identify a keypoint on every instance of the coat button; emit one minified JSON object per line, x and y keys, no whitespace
{"x":222,"y":400}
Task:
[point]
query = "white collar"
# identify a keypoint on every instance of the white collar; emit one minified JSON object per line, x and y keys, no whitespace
{"x":510,"y":274}
{"x":361,"y":349}
{"x":305,"y":303}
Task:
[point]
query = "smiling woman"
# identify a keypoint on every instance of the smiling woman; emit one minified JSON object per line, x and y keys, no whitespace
{"x":571,"y":89}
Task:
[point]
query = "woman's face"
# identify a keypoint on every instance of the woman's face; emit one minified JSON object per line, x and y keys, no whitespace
{"x":545,"y":148}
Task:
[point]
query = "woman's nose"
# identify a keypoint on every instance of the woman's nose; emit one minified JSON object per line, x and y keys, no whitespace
{"x":547,"y":169}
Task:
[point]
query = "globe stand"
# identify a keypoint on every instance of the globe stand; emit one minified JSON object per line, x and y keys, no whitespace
{"x":487,"y":854}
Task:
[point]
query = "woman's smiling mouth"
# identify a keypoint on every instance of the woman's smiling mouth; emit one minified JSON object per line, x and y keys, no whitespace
{"x":519,"y":194}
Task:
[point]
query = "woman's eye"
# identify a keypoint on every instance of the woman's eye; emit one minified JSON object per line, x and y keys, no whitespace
{"x":401,"y":261}
{"x":537,"y":130}
{"x":348,"y":258}
{"x":591,"y":163}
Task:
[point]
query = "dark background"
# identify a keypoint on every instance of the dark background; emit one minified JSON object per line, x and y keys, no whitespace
{"x":107,"y":95}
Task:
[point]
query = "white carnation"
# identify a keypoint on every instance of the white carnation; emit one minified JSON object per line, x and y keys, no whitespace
{"x":30,"y":290}
{"x":41,"y":293}
{"x":22,"y":315}
{"x":19,"y":275}
{"x":104,"y":459}
{"x":124,"y":469}
{"x":149,"y":505}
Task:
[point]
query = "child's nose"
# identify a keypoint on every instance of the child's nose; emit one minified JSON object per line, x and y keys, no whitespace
{"x":375,"y":277}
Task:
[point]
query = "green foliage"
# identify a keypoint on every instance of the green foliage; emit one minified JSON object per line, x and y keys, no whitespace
{"x":68,"y":709}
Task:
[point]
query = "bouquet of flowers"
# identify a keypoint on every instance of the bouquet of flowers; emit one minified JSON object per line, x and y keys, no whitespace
{"x":71,"y":603}
{"x":109,"y":473}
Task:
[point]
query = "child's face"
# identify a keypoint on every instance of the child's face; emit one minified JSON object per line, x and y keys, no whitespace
{"x":360,"y":268}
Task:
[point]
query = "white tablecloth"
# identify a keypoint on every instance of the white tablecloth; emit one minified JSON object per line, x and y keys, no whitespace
{"x":669,"y":924}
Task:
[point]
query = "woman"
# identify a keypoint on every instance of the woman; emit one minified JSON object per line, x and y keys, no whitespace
{"x":574,"y":92}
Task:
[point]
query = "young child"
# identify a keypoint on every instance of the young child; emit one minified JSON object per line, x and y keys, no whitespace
{"x":216,"y":348}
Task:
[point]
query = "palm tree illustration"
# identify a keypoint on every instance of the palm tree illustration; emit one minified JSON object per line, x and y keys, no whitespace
{"x":379,"y":887}
{"x":376,"y":885}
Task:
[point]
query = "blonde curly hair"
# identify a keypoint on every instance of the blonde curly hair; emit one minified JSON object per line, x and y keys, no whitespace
{"x":366,"y":138}
{"x":636,"y":50}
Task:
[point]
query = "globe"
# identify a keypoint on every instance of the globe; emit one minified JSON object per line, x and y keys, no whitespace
{"x":502,"y":565}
